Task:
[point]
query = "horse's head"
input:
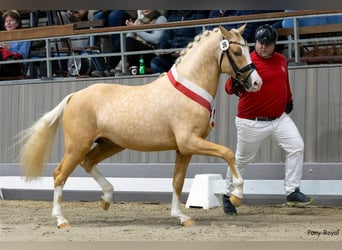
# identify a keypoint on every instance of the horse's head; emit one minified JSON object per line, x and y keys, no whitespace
{"x":240,"y":65}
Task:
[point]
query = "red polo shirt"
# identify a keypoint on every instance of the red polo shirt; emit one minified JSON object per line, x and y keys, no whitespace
{"x":275,"y":92}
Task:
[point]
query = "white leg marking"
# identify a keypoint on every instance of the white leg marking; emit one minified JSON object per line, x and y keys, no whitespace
{"x":57,"y":206}
{"x":176,"y":210}
{"x":238,"y":185}
{"x":106,"y":186}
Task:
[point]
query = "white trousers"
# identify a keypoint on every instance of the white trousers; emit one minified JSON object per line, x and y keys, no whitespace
{"x":250,"y":136}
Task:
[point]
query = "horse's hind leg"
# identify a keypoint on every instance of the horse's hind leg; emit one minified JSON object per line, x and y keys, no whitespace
{"x":61,"y":174}
{"x":98,"y":153}
{"x":181,"y":165}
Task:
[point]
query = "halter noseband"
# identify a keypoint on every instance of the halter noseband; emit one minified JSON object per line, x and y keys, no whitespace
{"x":239,"y":72}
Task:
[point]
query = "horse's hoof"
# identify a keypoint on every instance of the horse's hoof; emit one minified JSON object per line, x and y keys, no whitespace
{"x":188,"y":223}
{"x":104,"y":204}
{"x":64,"y":225}
{"x":235,"y":200}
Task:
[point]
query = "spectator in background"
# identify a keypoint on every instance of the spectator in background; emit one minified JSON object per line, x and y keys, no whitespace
{"x":114,"y":18}
{"x":13,"y":50}
{"x":176,"y":38}
{"x":137,"y":41}
{"x":91,"y":14}
{"x":251,"y":26}
{"x":70,"y":16}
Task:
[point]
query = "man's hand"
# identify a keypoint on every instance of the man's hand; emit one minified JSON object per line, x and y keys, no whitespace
{"x":289,"y":107}
{"x":238,"y":89}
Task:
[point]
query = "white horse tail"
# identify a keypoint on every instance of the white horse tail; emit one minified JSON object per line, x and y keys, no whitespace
{"x":38,"y":140}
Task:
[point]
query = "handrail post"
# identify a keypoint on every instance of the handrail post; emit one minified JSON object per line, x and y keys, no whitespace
{"x":122,"y":51}
{"x":296,"y":37}
{"x":289,"y":47}
{"x":48,"y":61}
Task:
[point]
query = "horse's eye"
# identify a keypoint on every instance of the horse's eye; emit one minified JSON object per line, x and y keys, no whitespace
{"x":237,"y":53}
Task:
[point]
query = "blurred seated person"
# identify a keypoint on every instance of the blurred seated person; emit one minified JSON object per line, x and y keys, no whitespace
{"x":70,"y":16}
{"x":13,"y":50}
{"x":113,"y":18}
{"x":312,"y":21}
{"x":249,"y":32}
{"x":176,"y":38}
{"x":137,"y":41}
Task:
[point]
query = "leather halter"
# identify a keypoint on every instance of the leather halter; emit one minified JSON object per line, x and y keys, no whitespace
{"x":239,"y":72}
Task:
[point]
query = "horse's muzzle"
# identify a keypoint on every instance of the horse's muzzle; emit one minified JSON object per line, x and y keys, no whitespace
{"x":254,"y":82}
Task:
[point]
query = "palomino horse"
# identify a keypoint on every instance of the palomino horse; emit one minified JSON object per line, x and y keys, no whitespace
{"x":171,"y":113}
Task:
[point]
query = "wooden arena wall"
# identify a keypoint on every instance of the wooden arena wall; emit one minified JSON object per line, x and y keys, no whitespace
{"x":317,"y":93}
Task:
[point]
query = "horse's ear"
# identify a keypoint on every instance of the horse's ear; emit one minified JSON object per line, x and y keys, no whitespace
{"x":242,"y":28}
{"x":223,"y":30}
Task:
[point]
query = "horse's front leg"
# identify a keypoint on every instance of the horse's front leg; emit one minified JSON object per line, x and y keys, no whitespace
{"x":181,"y":165}
{"x":197,"y":145}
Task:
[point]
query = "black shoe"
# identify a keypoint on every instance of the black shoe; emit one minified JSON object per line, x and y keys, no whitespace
{"x":228,"y":207}
{"x":298,"y":199}
{"x":106,"y":73}
{"x":97,"y":73}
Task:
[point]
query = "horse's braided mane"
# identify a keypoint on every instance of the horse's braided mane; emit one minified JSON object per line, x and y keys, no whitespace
{"x":196,"y":40}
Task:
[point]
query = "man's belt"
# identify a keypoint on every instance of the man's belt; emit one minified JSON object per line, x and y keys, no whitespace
{"x":263,"y":119}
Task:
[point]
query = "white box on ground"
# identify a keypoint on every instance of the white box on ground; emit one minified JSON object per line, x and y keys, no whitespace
{"x":203,"y":191}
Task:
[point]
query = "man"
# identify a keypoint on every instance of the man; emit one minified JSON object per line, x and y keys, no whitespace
{"x":264,"y":114}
